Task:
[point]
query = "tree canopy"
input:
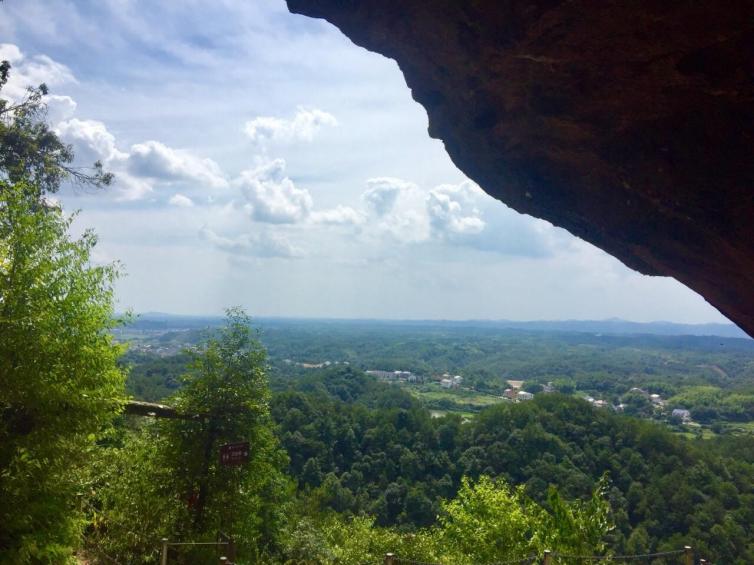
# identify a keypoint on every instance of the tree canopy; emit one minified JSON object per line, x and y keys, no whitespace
{"x":60,"y":382}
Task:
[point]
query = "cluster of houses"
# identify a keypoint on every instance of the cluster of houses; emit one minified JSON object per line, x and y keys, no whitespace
{"x":515,"y":393}
{"x":314,"y":365}
{"x":657,"y":401}
{"x":598,"y":403}
{"x":160,"y":350}
{"x":396,"y":376}
{"x":448,"y":381}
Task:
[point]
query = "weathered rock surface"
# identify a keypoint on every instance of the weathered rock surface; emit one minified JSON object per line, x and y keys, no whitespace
{"x":629,"y":123}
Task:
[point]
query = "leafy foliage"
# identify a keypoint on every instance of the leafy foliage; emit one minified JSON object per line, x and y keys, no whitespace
{"x":488,"y":521}
{"x":390,"y":459}
{"x":173,"y":466}
{"x":61,"y":384}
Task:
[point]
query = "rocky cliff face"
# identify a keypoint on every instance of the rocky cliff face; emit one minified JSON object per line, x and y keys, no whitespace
{"x":629,"y":123}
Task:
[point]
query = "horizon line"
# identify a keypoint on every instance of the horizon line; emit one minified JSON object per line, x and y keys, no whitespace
{"x":487,"y":320}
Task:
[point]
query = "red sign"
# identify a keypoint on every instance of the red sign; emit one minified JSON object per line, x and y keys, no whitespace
{"x":234,"y":453}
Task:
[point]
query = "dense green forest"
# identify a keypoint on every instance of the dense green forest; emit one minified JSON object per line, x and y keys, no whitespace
{"x":359,"y":447}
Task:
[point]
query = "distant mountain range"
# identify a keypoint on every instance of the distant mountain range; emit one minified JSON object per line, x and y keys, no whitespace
{"x":613,"y":326}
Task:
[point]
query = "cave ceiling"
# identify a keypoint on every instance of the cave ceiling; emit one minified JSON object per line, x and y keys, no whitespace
{"x":628,"y":123}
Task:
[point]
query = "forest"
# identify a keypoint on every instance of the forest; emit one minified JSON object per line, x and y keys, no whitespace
{"x":359,"y":447}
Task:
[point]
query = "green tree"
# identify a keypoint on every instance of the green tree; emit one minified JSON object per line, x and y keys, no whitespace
{"x":60,"y":383}
{"x":224,"y":399}
{"x":32,"y":152}
{"x":489,"y":521}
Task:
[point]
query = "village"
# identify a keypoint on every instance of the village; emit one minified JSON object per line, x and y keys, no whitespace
{"x":515,"y":392}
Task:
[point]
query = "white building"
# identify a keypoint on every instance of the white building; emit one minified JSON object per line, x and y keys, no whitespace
{"x":523,"y":395}
{"x":683,"y":414}
{"x":446,"y":383}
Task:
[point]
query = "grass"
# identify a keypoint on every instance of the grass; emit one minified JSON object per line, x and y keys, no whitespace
{"x":457,"y":401}
{"x":457,"y":397}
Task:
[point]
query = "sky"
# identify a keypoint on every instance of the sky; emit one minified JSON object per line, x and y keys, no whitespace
{"x":263,"y":160}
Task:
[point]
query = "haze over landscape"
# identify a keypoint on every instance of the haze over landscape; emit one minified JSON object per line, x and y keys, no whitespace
{"x":262,"y":159}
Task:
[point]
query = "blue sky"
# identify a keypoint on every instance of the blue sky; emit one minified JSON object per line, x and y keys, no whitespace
{"x":264,"y":160}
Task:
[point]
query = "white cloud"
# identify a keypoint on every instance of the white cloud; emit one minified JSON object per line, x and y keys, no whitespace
{"x":31,"y":71}
{"x":91,"y":141}
{"x":265,"y":244}
{"x":139,"y":170}
{"x":271,"y":196}
{"x":59,"y":108}
{"x":463,"y":214}
{"x":302,"y":127}
{"x":10,"y":53}
{"x":340,"y":215}
{"x":181,"y":201}
{"x":452,"y":209}
{"x":382,"y":193}
{"x":156,"y":160}
{"x":129,"y":187}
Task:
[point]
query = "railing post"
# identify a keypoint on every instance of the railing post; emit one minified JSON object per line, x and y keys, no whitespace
{"x":164,"y":555}
{"x":548,"y":558}
{"x":390,"y":559}
{"x":232,"y":550}
{"x":688,"y":555}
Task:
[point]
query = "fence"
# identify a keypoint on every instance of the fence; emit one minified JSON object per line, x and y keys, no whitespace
{"x":683,"y":556}
{"x":223,"y":543}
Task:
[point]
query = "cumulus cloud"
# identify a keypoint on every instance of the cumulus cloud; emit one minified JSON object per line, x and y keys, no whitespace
{"x":459,"y":214}
{"x":156,"y":160}
{"x":59,"y":108}
{"x":266,"y":244}
{"x":31,"y":71}
{"x":143,"y":167}
{"x":382,"y":193}
{"x":91,"y":141}
{"x":339,"y":216}
{"x":463,"y":214}
{"x":181,"y":201}
{"x":271,"y":196}
{"x":452,"y":209}
{"x":130,"y":187}
{"x":302,"y":127}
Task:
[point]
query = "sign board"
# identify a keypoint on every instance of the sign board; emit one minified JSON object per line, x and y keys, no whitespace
{"x":234,"y":453}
